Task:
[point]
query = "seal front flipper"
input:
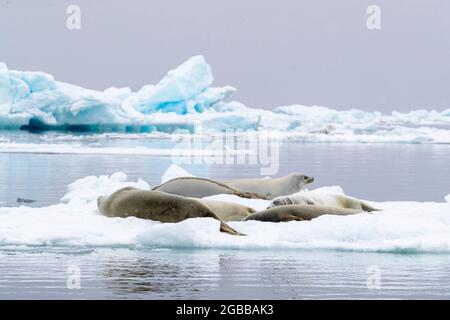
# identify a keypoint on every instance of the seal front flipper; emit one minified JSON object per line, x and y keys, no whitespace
{"x":289,"y":217}
{"x":227,"y":229}
{"x":250,"y":195}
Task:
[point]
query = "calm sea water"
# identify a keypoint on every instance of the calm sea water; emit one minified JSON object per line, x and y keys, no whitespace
{"x":211,"y":274}
{"x":377,"y":172}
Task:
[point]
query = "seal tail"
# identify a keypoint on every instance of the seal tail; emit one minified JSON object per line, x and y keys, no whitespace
{"x":227,"y":229}
{"x":367,"y":207}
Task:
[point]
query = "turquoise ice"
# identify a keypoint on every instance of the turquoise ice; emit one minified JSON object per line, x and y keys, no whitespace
{"x":36,"y":99}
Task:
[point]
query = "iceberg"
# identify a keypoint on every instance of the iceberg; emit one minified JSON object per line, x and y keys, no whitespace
{"x":184,"y":101}
{"x":32,"y":100}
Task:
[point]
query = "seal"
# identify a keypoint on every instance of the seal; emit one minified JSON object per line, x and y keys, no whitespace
{"x":298,"y":212}
{"x":157,"y":206}
{"x":25,"y":200}
{"x":200,"y":187}
{"x":228,"y":211}
{"x":332,"y":200}
{"x":272,"y":188}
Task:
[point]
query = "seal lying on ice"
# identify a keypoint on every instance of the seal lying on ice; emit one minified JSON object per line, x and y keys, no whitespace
{"x":331,"y":200}
{"x":200,"y":187}
{"x":272,"y":188}
{"x":157,"y":206}
{"x":298,"y":212}
{"x":228,"y":211}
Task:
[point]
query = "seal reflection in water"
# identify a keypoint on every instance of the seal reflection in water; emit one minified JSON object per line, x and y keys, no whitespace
{"x":157,"y":206}
{"x":298,"y":213}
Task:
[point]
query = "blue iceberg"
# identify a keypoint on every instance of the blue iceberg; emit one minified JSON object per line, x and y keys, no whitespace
{"x":33,"y":100}
{"x":185,"y":99}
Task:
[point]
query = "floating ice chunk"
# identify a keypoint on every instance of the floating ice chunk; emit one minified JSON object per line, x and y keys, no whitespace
{"x":90,"y":188}
{"x":400,"y":227}
{"x":447,"y":198}
{"x":174,"y":171}
{"x":118,"y":177}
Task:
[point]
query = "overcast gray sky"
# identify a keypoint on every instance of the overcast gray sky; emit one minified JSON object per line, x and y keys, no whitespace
{"x":275,"y":53}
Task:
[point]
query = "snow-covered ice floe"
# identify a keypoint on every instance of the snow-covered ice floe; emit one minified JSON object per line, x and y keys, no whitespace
{"x":184,"y":99}
{"x":76,"y":222}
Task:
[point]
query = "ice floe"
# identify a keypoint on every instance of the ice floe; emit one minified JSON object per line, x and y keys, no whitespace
{"x":400,"y":227}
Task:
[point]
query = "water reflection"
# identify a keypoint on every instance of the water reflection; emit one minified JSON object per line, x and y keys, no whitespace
{"x":211,"y":274}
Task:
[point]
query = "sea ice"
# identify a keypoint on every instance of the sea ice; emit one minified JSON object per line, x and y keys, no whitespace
{"x":174,"y":171}
{"x":400,"y":227}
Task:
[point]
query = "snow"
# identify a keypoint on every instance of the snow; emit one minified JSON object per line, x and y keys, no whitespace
{"x":174,"y":171}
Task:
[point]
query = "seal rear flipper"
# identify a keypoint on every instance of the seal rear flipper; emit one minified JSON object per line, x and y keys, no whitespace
{"x":227,"y":229}
{"x":367,"y":207}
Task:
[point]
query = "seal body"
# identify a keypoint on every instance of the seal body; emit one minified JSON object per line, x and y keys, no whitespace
{"x":272,"y":188}
{"x":157,"y":206}
{"x":228,"y":211}
{"x":298,"y":213}
{"x":200,"y":187}
{"x":332,"y":200}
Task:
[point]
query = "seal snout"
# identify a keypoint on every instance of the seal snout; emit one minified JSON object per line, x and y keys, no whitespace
{"x":309,"y":179}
